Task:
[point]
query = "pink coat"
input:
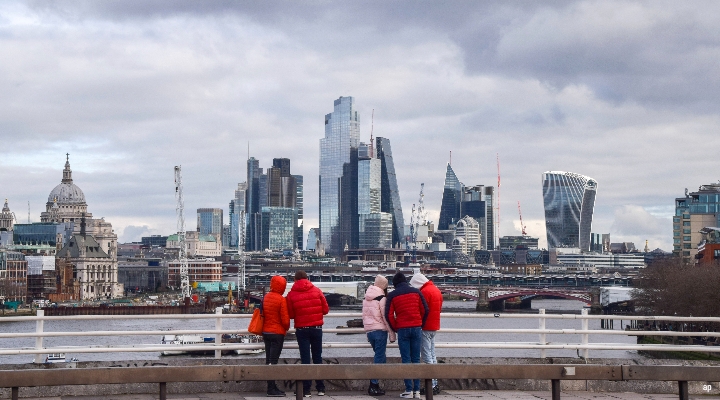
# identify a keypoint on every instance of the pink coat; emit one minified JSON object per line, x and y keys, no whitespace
{"x":373,"y":314}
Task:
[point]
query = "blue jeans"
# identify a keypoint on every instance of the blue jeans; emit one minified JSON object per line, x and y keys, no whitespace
{"x":428,"y":350}
{"x":378,"y":341}
{"x":409,"y":341}
{"x":310,"y":343}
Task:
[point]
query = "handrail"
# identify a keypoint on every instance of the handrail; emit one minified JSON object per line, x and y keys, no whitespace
{"x":161,"y":375}
{"x":541,"y":344}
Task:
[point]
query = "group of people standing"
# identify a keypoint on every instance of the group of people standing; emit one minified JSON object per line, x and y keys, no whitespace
{"x":306,"y":305}
{"x":409,"y":314}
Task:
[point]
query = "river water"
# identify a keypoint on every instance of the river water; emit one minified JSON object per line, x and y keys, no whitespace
{"x":570,"y":306}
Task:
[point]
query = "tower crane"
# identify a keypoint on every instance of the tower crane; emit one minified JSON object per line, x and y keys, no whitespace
{"x":182,"y":253}
{"x":522,"y":227}
{"x":421,"y":212}
{"x":413,"y":232}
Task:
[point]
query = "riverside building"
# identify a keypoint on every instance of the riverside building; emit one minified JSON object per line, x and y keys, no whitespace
{"x":695,"y":211}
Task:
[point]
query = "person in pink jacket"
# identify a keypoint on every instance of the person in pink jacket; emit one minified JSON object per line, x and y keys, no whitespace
{"x":377,"y":328}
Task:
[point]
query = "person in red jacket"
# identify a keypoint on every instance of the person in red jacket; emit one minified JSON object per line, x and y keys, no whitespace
{"x":307,"y":305}
{"x":275,"y":326}
{"x":406,"y":312}
{"x":434,"y":301}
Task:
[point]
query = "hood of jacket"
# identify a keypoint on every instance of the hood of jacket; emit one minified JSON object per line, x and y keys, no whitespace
{"x":302,"y":285}
{"x":278,"y":284}
{"x":418,"y":280}
{"x":373,"y":292}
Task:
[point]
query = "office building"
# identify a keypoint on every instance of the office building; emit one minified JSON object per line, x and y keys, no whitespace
{"x":390,"y":194}
{"x":299,"y":206}
{"x":518,"y":242}
{"x":278,"y":228}
{"x":154,"y":241}
{"x":342,"y":132}
{"x":695,"y":211}
{"x":236,"y":216}
{"x":569,"y":200}
{"x":252,"y":205}
{"x":197,"y":244}
{"x":476,"y":201}
{"x":467,"y":235}
{"x":210,"y":221}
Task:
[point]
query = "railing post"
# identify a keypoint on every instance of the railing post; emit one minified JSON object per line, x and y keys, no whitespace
{"x":584,"y":326}
{"x":683,"y":390}
{"x":543,"y":339}
{"x":218,"y":336}
{"x":39,"y":326}
{"x":298,"y":390}
{"x":428,"y":389}
{"x":163,"y":391}
{"x":555,"y":389}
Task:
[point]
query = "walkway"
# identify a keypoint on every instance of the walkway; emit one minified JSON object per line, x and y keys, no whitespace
{"x":445,"y":395}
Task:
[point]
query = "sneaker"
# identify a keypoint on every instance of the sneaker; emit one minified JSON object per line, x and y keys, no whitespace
{"x":375,"y":390}
{"x":436,"y":389}
{"x":305,"y":394}
{"x":406,"y":395}
{"x":416,"y":395}
{"x":275,"y":392}
{"x":321,"y":392}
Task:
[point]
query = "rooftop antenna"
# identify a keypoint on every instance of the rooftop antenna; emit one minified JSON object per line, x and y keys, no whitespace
{"x":372,"y":127}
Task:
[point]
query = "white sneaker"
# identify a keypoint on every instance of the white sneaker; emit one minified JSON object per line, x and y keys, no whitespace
{"x":406,"y":395}
{"x":416,"y":395}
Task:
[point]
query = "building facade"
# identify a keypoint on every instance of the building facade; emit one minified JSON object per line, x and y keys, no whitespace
{"x":278,"y":228}
{"x":342,"y":132}
{"x":210,"y":221}
{"x":467,"y":234}
{"x":695,"y":211}
{"x":569,"y":200}
{"x":198,"y":245}
{"x":200,"y":270}
{"x":390,"y":193}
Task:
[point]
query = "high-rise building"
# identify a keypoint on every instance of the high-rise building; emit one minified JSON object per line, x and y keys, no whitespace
{"x":569,"y":200}
{"x":278,"y":228}
{"x":452,"y":196}
{"x":474,"y":201}
{"x":266,"y":197}
{"x":695,"y":211}
{"x":390,"y":194}
{"x":237,"y":209}
{"x":467,"y":229}
{"x":210,"y":221}
{"x":342,"y":132}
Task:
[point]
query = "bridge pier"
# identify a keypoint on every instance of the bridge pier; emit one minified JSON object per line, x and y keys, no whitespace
{"x":595,"y":305}
{"x":482,"y":302}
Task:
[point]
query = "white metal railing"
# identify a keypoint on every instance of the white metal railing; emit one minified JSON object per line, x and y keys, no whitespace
{"x":542,"y":344}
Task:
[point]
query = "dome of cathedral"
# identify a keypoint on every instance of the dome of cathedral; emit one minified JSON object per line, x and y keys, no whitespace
{"x":67,"y":193}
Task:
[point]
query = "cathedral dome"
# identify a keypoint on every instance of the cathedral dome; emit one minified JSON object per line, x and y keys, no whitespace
{"x":67,"y":193}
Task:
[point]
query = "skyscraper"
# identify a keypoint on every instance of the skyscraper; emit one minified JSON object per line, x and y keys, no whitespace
{"x":452,"y":196}
{"x":390,"y":194}
{"x":342,"y":132}
{"x":569,"y":201}
{"x":252,"y":205}
{"x":237,"y":208}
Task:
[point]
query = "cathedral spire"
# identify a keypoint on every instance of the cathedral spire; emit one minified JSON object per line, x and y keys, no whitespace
{"x":67,"y":172}
{"x":5,"y":207}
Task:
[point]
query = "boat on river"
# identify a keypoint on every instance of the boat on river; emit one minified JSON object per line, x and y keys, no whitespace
{"x":58,"y":358}
{"x":176,"y":343}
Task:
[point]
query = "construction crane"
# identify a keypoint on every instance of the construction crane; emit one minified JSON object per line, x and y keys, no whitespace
{"x":413,"y":232}
{"x":522,"y":227}
{"x":421,"y":212}
{"x":497,"y":223}
{"x":182,"y":253}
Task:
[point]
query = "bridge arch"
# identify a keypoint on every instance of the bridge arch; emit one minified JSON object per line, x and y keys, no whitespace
{"x":585,"y":298}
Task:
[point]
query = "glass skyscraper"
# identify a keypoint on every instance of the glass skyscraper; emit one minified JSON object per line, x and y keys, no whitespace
{"x":569,"y":200}
{"x":452,"y":196}
{"x":210,"y":221}
{"x":278,"y":228}
{"x":342,"y":132}
{"x":390,"y":194}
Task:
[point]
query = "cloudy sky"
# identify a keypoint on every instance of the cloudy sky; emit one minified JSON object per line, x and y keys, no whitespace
{"x":625,"y":92}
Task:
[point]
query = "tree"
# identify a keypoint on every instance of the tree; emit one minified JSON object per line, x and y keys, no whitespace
{"x":673,"y":287}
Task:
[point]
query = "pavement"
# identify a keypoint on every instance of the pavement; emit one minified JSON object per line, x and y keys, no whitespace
{"x":445,"y":395}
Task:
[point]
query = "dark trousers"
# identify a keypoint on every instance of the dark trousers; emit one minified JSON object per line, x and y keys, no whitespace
{"x":310,"y":344}
{"x":273,"y":347}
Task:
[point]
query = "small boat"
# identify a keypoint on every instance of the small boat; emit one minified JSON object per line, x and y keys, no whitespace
{"x":249,"y":339}
{"x":58,"y":358}
{"x":176,"y":342}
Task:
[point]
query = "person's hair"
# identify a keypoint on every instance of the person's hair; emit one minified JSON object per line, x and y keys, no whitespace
{"x":300,"y":275}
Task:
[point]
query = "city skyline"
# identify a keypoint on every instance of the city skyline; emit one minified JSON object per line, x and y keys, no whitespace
{"x":619,"y":91}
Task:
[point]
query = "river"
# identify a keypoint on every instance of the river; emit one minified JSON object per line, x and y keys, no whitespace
{"x":142,"y":324}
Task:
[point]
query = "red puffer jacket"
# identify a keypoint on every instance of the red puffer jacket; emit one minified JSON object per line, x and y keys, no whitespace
{"x":434,"y":301}
{"x":306,"y":304}
{"x":405,"y":307}
{"x":275,"y":308}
